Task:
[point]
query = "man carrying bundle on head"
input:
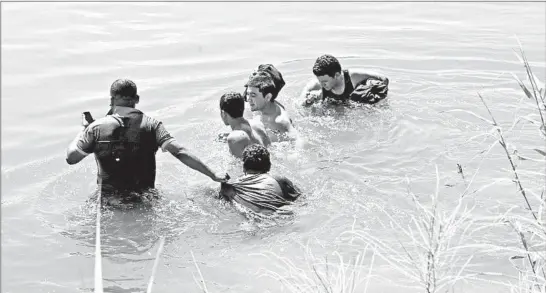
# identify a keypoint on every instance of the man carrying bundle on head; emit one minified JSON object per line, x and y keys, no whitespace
{"x":262,"y":90}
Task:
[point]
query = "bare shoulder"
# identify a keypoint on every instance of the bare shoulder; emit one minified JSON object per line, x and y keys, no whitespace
{"x":237,"y":136}
{"x":360,"y":74}
{"x":237,"y":141}
{"x":284,"y":120}
{"x":256,"y":124}
{"x":259,"y":127}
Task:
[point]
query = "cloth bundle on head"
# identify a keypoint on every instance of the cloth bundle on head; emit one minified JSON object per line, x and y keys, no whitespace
{"x":270,"y":70}
{"x":370,"y":91}
{"x":262,"y":193}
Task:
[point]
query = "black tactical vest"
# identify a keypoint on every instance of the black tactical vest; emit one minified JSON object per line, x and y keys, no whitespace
{"x":125,"y":154}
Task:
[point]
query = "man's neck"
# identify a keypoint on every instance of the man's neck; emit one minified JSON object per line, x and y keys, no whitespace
{"x":253,"y":172}
{"x":270,"y":109}
{"x":237,"y":123}
{"x":121,"y":110}
{"x":122,"y":106}
{"x":340,"y":88}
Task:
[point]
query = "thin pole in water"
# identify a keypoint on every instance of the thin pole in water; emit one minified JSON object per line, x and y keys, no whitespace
{"x":98,"y":254}
{"x":156,"y":263}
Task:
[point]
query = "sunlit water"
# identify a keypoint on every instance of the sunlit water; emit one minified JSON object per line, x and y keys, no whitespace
{"x":60,"y":59}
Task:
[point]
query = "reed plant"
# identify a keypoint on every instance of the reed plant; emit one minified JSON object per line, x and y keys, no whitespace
{"x":530,"y":258}
{"x":436,"y":244}
{"x":434,"y":250}
{"x":320,"y":275}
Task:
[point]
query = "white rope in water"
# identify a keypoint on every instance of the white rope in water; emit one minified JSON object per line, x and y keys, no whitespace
{"x":156,"y":263}
{"x":98,"y":254}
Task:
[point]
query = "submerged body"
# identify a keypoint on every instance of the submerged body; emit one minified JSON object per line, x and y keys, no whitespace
{"x":277,"y":123}
{"x":243,"y":132}
{"x":257,"y":190}
{"x":262,"y":90}
{"x":339,"y":86}
{"x":261,"y":193}
{"x":125,"y":144}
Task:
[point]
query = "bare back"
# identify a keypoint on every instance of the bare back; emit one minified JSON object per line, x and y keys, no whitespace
{"x":250,"y":133}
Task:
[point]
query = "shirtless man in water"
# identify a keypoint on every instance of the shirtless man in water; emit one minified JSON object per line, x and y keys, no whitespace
{"x":244,"y":132}
{"x":262,"y":93}
{"x":334,"y":84}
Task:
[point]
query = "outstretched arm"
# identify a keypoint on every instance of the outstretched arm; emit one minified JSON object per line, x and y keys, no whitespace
{"x":192,"y":161}
{"x":168,"y":143}
{"x":305,"y":96}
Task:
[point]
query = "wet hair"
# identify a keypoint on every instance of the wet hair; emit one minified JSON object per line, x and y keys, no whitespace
{"x":274,"y":73}
{"x":326,"y":65}
{"x":124,"y":88}
{"x":233,"y":103}
{"x":256,"y":158}
{"x":264,"y":83}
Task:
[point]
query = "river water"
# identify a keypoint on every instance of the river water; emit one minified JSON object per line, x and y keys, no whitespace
{"x":59,"y":59}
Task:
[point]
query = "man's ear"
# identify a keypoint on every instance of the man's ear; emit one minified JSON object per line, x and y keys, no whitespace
{"x":137,"y":99}
{"x":224,"y":114}
{"x":337,"y":75}
{"x":268,"y":97}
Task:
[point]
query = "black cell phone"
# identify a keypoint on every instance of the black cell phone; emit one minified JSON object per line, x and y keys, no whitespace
{"x":87,"y":118}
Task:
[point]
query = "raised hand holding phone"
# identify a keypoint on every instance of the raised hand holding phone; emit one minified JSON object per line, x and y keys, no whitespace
{"x":87,"y":119}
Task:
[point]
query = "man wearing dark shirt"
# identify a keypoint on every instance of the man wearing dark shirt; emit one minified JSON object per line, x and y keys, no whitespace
{"x":125,"y":143}
{"x":333,"y":84}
